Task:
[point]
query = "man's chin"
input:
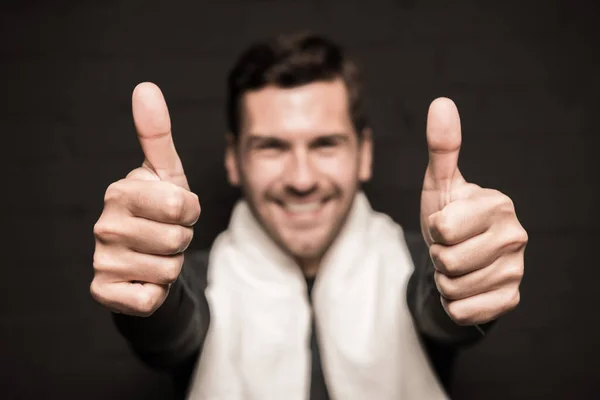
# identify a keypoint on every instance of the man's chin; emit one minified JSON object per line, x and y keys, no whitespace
{"x":307,"y":256}
{"x":310,"y":250}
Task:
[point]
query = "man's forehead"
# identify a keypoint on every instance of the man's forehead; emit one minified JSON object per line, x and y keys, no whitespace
{"x":316,"y":107}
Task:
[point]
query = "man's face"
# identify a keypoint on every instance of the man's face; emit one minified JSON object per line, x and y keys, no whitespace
{"x":299,"y":162}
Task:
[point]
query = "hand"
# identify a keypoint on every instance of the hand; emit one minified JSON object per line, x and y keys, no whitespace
{"x":147,"y":219}
{"x":475,"y":239}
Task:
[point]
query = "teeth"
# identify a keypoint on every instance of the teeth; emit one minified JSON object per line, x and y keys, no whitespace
{"x":302,"y":208}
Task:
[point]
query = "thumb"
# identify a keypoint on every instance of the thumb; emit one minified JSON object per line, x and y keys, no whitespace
{"x":443,"y":140}
{"x":153,"y":125}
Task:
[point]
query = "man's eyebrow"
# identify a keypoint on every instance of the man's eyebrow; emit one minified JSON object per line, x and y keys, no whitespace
{"x":333,"y":136}
{"x":260,"y":137}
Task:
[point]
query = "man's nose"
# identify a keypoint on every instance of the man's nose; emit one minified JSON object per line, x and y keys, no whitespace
{"x":300,"y":174}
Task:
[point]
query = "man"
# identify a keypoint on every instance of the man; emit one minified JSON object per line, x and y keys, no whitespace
{"x":309,"y":293}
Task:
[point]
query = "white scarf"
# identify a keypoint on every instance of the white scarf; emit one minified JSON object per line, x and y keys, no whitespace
{"x":258,"y":342}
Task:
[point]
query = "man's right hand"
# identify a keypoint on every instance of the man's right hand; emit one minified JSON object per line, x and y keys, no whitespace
{"x":147,"y":220}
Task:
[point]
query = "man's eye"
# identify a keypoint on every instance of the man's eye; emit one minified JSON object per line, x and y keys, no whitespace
{"x":326,"y":144}
{"x":270,"y":146}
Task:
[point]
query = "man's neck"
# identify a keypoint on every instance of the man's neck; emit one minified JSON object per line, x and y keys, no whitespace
{"x":310,"y":267}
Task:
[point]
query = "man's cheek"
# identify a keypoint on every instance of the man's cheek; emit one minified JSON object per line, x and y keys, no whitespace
{"x":258,"y":180}
{"x":340,"y":169}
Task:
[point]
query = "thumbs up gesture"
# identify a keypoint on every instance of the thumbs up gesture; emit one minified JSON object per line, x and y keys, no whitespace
{"x":475,"y":240}
{"x":147,"y":219}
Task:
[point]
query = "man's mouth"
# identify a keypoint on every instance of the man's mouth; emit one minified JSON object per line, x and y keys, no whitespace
{"x":305,"y":209}
{"x":301,"y":208}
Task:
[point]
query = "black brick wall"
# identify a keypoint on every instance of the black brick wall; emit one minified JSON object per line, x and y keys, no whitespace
{"x":524,"y":75}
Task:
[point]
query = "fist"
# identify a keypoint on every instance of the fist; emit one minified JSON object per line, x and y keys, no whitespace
{"x":147,"y":220}
{"x":475,"y":239}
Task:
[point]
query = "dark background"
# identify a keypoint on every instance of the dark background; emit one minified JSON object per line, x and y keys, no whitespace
{"x":523,"y":74}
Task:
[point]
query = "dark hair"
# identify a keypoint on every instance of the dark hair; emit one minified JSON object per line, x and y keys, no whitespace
{"x":291,"y":60}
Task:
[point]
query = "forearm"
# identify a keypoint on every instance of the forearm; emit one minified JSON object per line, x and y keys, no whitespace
{"x":433,"y":321}
{"x":428,"y":313}
{"x":175,"y":332}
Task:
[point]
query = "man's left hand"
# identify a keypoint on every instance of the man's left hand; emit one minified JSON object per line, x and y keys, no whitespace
{"x":475,"y":239}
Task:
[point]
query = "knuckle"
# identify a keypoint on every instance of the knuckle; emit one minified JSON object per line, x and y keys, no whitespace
{"x":447,"y":287}
{"x":447,"y":262}
{"x":514,"y":298}
{"x":441,"y":285}
{"x":518,"y":233}
{"x":115,"y":193}
{"x":104,"y":230}
{"x":96,"y":291}
{"x":175,"y":239}
{"x":99,"y":229}
{"x":106,"y":261}
{"x":505,"y":203}
{"x":458,"y":314}
{"x":514,"y":272}
{"x":516,"y":237}
{"x":521,"y":236}
{"x":188,"y":235}
{"x":444,"y":226}
{"x":174,"y":205}
{"x":172,"y":268}
{"x":434,"y":253}
{"x":197,"y":208}
{"x":142,"y":173}
{"x":100,"y":261}
{"x":145,"y":303}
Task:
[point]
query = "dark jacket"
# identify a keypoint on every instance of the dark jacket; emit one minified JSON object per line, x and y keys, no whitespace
{"x":171,"y":339}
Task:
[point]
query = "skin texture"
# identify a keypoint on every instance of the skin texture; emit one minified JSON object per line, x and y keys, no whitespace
{"x":299,"y":163}
{"x":474,"y":236}
{"x":298,"y":146}
{"x":147,"y":220}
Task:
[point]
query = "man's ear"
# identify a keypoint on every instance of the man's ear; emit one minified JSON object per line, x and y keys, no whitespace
{"x":231,"y":163}
{"x":365,"y":161}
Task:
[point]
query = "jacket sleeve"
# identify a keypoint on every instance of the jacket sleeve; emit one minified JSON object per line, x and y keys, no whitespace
{"x":172,"y":337}
{"x":424,"y":303}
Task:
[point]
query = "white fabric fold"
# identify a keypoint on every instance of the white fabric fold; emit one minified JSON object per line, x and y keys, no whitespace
{"x":258,"y":342}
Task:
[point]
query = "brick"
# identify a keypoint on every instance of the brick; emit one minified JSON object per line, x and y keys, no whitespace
{"x":89,"y":90}
{"x":44,"y":236}
{"x":391,"y":69}
{"x":554,"y":161}
{"x":400,"y":113}
{"x":349,"y":22}
{"x":525,"y":112}
{"x":197,"y":126}
{"x":35,"y":89}
{"x":122,"y":29}
{"x":262,"y":19}
{"x":437,"y":21}
{"x":61,"y":285}
{"x":74,"y":186}
{"x":498,"y":61}
{"x":33,"y":139}
{"x":524,"y":79}
{"x":512,"y":163}
{"x":519,"y":113}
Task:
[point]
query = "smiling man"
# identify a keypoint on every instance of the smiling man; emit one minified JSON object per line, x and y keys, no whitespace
{"x":299,"y":162}
{"x":309,"y":293}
